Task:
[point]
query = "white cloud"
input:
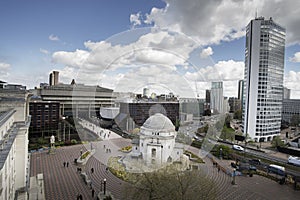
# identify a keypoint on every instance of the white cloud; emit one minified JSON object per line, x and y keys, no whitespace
{"x":291,"y":81}
{"x":74,"y":59}
{"x":4,"y":66}
{"x":221,"y":71}
{"x":44,"y":51}
{"x":157,"y":46}
{"x":135,"y":19}
{"x":53,"y":37}
{"x":206,"y":52}
{"x":295,"y":58}
{"x":4,"y":70}
{"x":224,"y":20}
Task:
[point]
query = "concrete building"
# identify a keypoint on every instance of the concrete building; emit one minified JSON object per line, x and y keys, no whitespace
{"x":240,"y":93}
{"x":216,"y":97}
{"x":77,"y":99}
{"x":134,"y":114}
{"x":290,"y":107}
{"x":192,"y":106}
{"x":263,"y":86}
{"x":54,"y":78}
{"x":14,"y":125}
{"x":234,"y":104}
{"x":286,"y":93}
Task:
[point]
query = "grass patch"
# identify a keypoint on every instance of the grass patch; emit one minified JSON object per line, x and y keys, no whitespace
{"x":194,"y":157}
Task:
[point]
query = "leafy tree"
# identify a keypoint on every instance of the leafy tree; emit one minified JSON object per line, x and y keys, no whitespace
{"x":276,"y":142}
{"x":295,"y":120}
{"x":237,"y":114}
{"x":228,"y":119}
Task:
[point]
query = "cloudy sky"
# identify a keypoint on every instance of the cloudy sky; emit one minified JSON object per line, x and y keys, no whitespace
{"x":175,"y":46}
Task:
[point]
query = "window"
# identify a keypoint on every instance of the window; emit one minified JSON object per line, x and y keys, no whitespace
{"x":153,"y":153}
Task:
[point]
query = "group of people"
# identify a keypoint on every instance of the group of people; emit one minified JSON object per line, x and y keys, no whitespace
{"x":66,"y":164}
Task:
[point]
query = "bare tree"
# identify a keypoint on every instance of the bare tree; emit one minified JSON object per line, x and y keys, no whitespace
{"x":169,"y":184}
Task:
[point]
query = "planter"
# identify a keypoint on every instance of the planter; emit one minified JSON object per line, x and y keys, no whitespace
{"x":85,"y":157}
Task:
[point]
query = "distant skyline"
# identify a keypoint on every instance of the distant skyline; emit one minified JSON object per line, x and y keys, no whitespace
{"x":168,"y":45}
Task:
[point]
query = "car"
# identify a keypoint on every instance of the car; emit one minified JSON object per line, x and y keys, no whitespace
{"x":237,"y":147}
{"x":294,"y":160}
{"x":255,"y":161}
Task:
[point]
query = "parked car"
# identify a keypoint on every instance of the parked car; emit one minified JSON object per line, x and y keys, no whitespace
{"x":255,"y":161}
{"x":237,"y":147}
{"x":294,"y":160}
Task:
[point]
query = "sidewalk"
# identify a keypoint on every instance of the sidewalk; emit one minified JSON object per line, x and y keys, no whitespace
{"x":102,"y":133}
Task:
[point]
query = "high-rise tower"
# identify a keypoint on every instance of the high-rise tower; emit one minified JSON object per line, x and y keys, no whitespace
{"x":216,"y":97}
{"x":263,"y":86}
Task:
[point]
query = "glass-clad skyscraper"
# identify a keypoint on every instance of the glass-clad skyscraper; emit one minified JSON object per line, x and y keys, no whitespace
{"x":263,"y":86}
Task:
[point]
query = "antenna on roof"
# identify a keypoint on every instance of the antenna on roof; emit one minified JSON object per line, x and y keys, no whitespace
{"x":256,"y":13}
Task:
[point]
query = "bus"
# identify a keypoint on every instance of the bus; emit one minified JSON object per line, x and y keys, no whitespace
{"x":276,"y":169}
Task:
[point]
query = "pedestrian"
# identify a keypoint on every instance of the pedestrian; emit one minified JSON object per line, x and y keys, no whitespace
{"x":67,"y":164}
{"x":92,"y":170}
{"x":103,"y":146}
{"x":218,"y":168}
{"x":93,"y":192}
{"x":64,"y":164}
{"x":80,"y":197}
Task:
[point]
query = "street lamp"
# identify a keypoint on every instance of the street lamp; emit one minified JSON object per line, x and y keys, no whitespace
{"x":64,"y":128}
{"x":104,"y":186}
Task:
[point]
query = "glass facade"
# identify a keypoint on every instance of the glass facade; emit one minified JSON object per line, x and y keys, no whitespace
{"x":265,"y":45}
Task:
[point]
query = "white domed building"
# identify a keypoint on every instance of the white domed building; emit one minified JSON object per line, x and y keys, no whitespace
{"x":156,"y":145}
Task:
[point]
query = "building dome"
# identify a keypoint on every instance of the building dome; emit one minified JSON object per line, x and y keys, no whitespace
{"x":159,"y":122}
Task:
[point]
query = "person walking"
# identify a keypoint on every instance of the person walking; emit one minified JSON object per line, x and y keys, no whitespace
{"x":92,"y":170}
{"x":93,"y":192}
{"x":67,"y":164}
{"x":64,"y":164}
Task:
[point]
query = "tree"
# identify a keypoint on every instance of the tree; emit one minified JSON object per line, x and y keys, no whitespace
{"x":169,"y":184}
{"x":203,"y":129}
{"x":237,"y":114}
{"x":295,"y":120}
{"x":277,"y":142}
{"x":228,"y":120}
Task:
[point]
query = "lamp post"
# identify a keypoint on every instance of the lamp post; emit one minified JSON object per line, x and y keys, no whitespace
{"x":104,"y":186}
{"x":64,"y":128}
{"x":221,"y":150}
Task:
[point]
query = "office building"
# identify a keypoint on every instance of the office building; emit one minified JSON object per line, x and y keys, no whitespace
{"x":263,"y":86}
{"x":14,"y":124}
{"x":45,"y":118}
{"x":216,"y":98}
{"x":290,"y":108}
{"x":240,"y":92}
{"x":286,"y":93}
{"x":234,"y":104}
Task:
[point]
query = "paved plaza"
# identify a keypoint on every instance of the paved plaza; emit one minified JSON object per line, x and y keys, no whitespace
{"x":66,"y":183}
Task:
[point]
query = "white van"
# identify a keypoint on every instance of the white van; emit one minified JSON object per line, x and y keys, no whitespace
{"x":294,"y":160}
